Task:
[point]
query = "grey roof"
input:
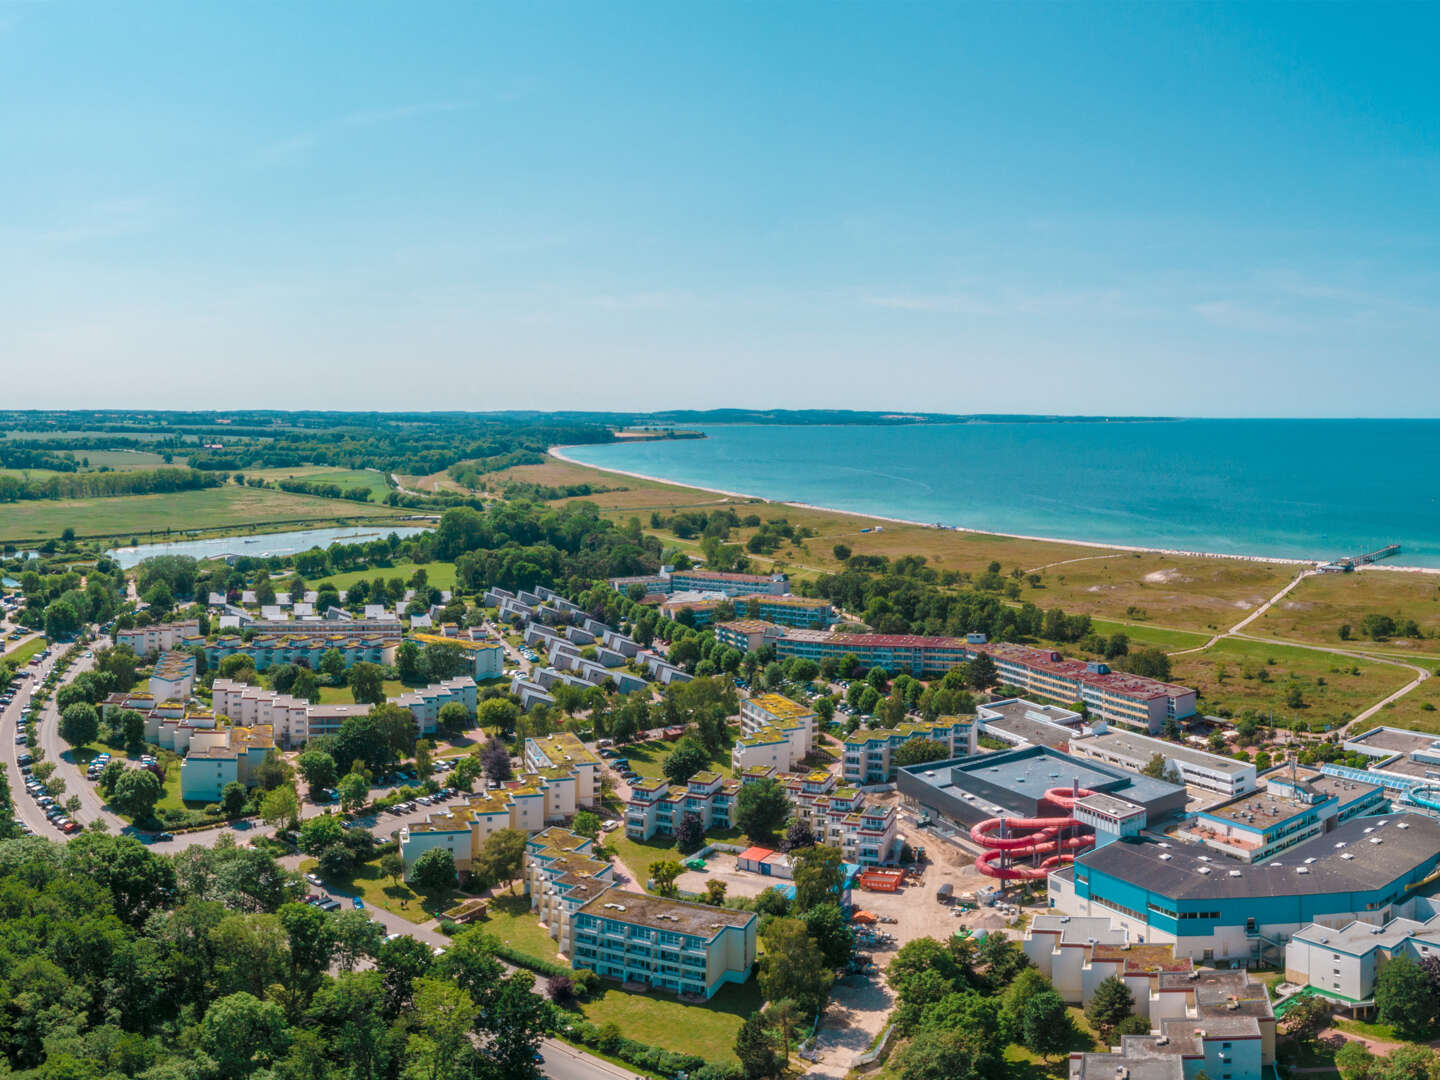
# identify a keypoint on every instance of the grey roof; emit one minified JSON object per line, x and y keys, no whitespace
{"x":1142,"y":748}
{"x":1371,"y":866}
{"x":1031,"y":771}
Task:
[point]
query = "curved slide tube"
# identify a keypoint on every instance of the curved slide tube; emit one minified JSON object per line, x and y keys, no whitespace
{"x":1041,"y":838}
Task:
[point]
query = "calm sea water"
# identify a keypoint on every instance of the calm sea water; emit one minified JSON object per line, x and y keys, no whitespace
{"x":1293,"y":488}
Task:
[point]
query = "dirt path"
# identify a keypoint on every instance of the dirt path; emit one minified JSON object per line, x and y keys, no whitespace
{"x":1259,"y":611}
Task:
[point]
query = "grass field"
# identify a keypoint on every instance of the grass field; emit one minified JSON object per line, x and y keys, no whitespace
{"x":322,"y":474}
{"x":1227,"y":676}
{"x":1319,"y":605}
{"x":661,"y":1020}
{"x":1410,"y":711}
{"x":341,"y":695}
{"x":22,"y":655}
{"x":509,"y":918}
{"x":648,"y":758}
{"x":124,"y":459}
{"x":151,"y":516}
{"x":441,"y":575}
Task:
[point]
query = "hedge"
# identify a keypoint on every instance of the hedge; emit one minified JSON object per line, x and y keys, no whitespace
{"x":651,"y":1058}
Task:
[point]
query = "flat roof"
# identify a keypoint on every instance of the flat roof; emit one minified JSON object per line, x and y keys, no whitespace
{"x":1396,"y":740}
{"x":1019,"y":708}
{"x":1175,"y":868}
{"x":1037,"y":733}
{"x":656,"y":913}
{"x":1031,"y":771}
{"x":1143,"y":748}
{"x":782,"y":707}
{"x":1358,"y":938}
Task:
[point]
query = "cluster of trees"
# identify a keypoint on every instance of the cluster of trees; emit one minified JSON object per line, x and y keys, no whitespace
{"x":325,"y":491}
{"x":60,"y":601}
{"x":1407,"y":995}
{"x":99,"y":485}
{"x":961,"y":1003}
{"x":203,"y":967}
{"x":1380,"y":627}
{"x":26,"y":456}
{"x":804,"y":941}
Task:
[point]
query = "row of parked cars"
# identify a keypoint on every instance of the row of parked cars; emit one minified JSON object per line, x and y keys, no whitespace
{"x":54,"y":812}
{"x":424,"y":800}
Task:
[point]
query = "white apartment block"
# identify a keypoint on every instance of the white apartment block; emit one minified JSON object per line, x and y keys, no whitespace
{"x":146,"y":641}
{"x":775,"y":732}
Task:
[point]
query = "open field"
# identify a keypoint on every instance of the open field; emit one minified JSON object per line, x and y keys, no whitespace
{"x":1227,"y":676}
{"x":1182,"y":592}
{"x":149,"y":516}
{"x":22,"y":654}
{"x":663,"y":1020}
{"x":1322,"y":603}
{"x":1411,"y":710}
{"x":123,"y":459}
{"x":440,"y":574}
{"x":138,"y":436}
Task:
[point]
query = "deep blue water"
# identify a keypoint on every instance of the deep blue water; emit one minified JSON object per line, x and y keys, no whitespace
{"x":1293,"y":488}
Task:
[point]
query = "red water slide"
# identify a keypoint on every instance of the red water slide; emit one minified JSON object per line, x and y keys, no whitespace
{"x":1041,"y":838}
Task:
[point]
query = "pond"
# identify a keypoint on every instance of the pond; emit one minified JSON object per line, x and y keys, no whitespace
{"x":261,"y":545}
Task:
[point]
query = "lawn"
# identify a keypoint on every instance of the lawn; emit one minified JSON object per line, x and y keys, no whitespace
{"x":379,"y":891}
{"x":441,"y":575}
{"x":22,"y":654}
{"x":1419,"y":709}
{"x":648,"y":758}
{"x":322,"y":474}
{"x":156,"y":516}
{"x":662,"y":1020}
{"x":637,"y":855}
{"x":341,"y":695}
{"x":1227,"y":676}
{"x":1317,"y":607}
{"x":509,"y":919}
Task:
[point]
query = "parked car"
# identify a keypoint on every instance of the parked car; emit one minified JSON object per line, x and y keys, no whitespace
{"x":357,"y":903}
{"x":314,"y":879}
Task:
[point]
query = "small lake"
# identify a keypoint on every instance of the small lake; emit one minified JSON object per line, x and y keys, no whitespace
{"x":261,"y":545}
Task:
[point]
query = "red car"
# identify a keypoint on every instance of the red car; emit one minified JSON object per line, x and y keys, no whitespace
{"x":70,"y":827}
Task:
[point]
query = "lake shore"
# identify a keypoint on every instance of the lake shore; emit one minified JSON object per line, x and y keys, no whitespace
{"x":558,"y":452}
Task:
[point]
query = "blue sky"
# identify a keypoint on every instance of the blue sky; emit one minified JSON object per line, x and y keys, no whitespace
{"x":1159,"y":208}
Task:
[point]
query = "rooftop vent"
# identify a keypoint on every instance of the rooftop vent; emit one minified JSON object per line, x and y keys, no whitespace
{"x":1166,"y":858}
{"x":1234,"y":873}
{"x":1347,"y":855}
{"x":1302,"y":870}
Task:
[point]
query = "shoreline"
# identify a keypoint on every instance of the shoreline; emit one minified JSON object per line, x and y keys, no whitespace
{"x":558,"y":452}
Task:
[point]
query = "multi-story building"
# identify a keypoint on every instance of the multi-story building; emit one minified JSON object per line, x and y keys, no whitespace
{"x":1294,"y":806}
{"x":564,"y":751}
{"x":655,"y":808}
{"x":174,"y":677}
{"x":783,"y":610}
{"x":688,"y":949}
{"x":1216,"y":908}
{"x":840,"y":816}
{"x":1341,"y":962}
{"x":1116,"y":697}
{"x":1195,"y":768}
{"x":306,"y":647}
{"x":774,"y":731}
{"x":219,"y":757}
{"x":487,"y":657}
{"x":869,"y":752}
{"x":172,"y":728}
{"x":146,"y":641}
{"x":426,"y":702}
{"x":562,"y":875}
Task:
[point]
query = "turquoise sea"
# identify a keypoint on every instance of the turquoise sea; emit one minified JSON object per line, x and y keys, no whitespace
{"x":1309,"y":489}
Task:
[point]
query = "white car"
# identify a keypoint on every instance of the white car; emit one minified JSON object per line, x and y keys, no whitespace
{"x":314,"y":879}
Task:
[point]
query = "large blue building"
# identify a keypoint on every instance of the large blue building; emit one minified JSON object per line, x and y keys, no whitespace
{"x":1215,"y":907}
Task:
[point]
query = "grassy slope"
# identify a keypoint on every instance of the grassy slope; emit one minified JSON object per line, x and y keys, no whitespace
{"x":148,"y":515}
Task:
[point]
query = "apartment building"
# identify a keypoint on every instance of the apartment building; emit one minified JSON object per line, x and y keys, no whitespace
{"x":562,"y":875}
{"x":729,"y":584}
{"x":307,"y":647}
{"x":839,"y":815}
{"x":796,"y":611}
{"x":487,"y":657}
{"x":425,"y":703}
{"x":564,"y":751}
{"x":220,"y":757}
{"x":869,"y":752}
{"x":654,"y":808}
{"x":146,"y":641}
{"x":774,"y":732}
{"x":1116,"y":697}
{"x":1341,"y":962}
{"x":688,"y":949}
{"x":295,"y":721}
{"x":173,"y":678}
{"x":1196,"y":768}
{"x":172,"y":728}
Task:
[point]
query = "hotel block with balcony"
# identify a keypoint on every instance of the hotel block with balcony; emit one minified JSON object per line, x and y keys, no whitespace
{"x":655,"y":808}
{"x":146,"y":641}
{"x":562,"y":875}
{"x":220,"y":757}
{"x":869,"y":752}
{"x":688,"y":949}
{"x":775,"y":732}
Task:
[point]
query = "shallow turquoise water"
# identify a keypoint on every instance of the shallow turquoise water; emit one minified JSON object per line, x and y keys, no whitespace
{"x":1292,"y":488}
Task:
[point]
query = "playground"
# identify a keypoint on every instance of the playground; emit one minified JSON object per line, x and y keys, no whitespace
{"x":1027,"y":849}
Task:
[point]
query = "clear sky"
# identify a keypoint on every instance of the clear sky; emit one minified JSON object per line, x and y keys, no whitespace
{"x":1159,"y":208}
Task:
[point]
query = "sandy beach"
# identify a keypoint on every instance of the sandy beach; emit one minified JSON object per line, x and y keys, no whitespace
{"x":558,"y":452}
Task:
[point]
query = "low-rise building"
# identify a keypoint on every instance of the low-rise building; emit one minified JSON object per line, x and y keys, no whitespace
{"x":1341,"y":962}
{"x":1027,"y":723}
{"x":869,"y":752}
{"x":307,"y":647}
{"x":1195,"y":768}
{"x":425,"y":703}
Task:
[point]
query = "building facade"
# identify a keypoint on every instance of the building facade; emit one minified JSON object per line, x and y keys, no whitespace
{"x":1196,"y":768}
{"x":869,"y":752}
